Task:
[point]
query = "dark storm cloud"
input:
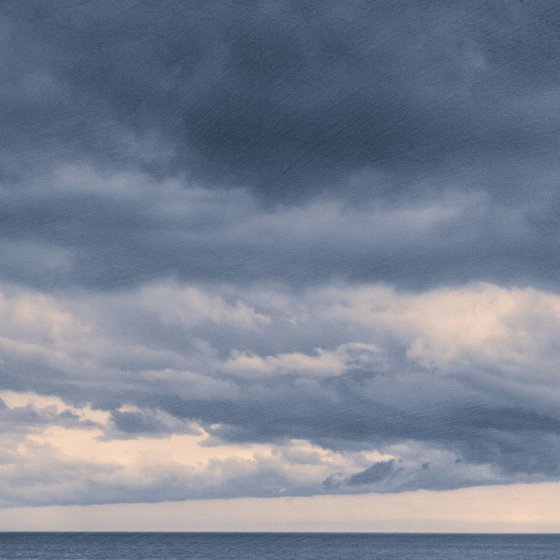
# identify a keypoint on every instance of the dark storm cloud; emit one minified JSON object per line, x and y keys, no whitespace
{"x":283,"y":96}
{"x":392,"y":103}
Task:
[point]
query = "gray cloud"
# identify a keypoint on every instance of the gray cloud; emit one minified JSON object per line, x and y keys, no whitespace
{"x":284,"y":95}
{"x":330,"y":223}
{"x":387,"y":106}
{"x":80,"y":227}
{"x":135,"y":423}
{"x":461,"y":380}
{"x":375,"y":473}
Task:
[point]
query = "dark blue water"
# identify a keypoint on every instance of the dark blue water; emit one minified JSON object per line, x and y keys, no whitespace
{"x":269,"y":546}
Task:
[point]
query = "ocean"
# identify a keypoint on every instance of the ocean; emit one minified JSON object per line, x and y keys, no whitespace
{"x":275,"y":546}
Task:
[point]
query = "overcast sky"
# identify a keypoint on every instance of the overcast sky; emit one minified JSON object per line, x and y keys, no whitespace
{"x":278,"y":249}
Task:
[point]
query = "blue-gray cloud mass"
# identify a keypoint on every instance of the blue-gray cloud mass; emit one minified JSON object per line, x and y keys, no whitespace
{"x":283,"y":224}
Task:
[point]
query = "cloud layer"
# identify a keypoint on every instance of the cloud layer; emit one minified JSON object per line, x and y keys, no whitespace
{"x":289,"y":248}
{"x":218,"y":392}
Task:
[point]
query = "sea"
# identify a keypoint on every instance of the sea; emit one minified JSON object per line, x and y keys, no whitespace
{"x":276,"y":546}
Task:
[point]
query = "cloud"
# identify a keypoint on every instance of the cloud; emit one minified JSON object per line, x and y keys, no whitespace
{"x":294,"y":144}
{"x":321,"y":362}
{"x":372,"y":474}
{"x":282,"y":97}
{"x":80,"y":227}
{"x":366,"y":142}
{"x":314,"y":244}
{"x":131,"y":422}
{"x":447,"y":388}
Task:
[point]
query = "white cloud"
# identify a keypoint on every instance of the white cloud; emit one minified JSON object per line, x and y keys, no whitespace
{"x":320,"y":363}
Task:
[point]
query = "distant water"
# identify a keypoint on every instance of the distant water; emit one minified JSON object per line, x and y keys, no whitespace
{"x":274,"y":546}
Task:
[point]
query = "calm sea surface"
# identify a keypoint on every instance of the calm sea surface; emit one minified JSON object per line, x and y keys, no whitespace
{"x":264,"y":546}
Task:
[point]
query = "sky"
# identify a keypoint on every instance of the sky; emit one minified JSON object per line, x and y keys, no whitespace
{"x":279,"y":265}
